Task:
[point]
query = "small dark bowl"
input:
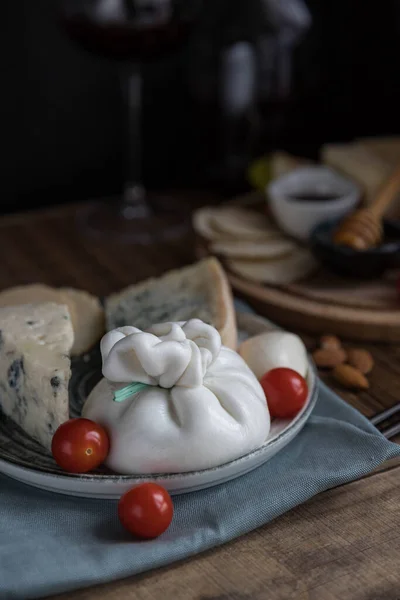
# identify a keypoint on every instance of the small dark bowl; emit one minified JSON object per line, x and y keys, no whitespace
{"x":363,"y":264}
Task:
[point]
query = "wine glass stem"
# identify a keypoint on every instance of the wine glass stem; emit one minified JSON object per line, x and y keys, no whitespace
{"x":134,"y":203}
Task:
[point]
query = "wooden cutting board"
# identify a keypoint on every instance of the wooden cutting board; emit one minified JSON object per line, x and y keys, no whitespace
{"x":326,"y":303}
{"x":364,"y":311}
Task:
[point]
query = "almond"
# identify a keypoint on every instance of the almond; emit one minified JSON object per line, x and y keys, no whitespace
{"x":329,"y":358}
{"x":360,"y":359}
{"x":330,"y":342}
{"x":350,"y":377}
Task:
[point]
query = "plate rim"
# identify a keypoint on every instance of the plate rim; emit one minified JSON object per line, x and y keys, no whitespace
{"x":115,"y":478}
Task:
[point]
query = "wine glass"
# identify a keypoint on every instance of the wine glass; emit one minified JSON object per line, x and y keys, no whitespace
{"x":131,"y":32}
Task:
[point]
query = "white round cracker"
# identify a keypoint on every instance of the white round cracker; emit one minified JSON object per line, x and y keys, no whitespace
{"x":241,"y":223}
{"x":269,"y":248}
{"x":202,"y":224}
{"x":289,"y":269}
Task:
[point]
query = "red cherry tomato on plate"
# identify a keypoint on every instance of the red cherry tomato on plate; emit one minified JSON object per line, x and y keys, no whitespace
{"x":146,"y":510}
{"x":80,"y":445}
{"x":286,"y":392}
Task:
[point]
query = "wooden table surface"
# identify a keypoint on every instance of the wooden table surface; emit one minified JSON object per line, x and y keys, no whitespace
{"x":343,"y":544}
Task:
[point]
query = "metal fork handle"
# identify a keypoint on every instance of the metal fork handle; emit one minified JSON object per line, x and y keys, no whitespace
{"x":385,"y":414}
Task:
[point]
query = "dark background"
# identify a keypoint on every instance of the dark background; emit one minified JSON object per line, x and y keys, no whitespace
{"x":62,"y":118}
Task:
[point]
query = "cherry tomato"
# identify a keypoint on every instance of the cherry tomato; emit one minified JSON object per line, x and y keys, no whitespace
{"x":286,"y":392}
{"x":146,"y":510}
{"x":80,"y":445}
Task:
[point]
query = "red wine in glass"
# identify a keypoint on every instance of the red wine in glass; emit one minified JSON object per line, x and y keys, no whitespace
{"x":127,"y":38}
{"x":131,"y":32}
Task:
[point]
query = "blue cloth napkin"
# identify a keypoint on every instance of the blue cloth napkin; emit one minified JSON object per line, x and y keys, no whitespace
{"x":51,"y":543}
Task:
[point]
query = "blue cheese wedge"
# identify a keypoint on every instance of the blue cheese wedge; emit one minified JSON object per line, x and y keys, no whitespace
{"x":35,"y":369}
{"x":198,"y":291}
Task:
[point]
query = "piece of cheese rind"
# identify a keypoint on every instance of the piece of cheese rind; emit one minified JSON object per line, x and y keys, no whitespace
{"x":35,"y":293}
{"x":35,"y":341}
{"x":87,"y":317}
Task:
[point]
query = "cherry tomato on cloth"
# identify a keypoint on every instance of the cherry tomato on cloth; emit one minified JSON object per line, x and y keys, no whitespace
{"x":146,"y":510}
{"x":286,"y":392}
{"x":80,"y":445}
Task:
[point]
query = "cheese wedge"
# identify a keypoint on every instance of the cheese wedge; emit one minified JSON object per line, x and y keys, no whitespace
{"x":200,"y":290}
{"x":35,"y":341}
{"x":86,"y":312}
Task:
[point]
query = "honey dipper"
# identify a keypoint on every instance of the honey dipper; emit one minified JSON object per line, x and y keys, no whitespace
{"x":363,"y":229}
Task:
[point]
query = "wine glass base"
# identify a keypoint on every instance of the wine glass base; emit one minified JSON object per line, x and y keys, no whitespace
{"x":108,"y":220}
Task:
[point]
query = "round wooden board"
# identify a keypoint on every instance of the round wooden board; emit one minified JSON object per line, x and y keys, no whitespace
{"x":325,"y":303}
{"x":296,"y":312}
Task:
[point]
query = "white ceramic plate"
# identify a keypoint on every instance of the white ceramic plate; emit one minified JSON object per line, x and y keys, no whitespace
{"x":23,"y":459}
